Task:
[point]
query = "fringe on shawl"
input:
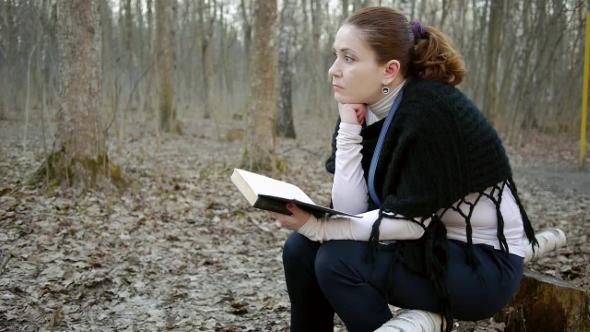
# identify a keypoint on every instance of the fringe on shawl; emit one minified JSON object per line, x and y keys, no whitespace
{"x":428,"y":256}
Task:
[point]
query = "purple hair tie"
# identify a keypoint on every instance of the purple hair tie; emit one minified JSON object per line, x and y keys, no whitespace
{"x":418,"y":29}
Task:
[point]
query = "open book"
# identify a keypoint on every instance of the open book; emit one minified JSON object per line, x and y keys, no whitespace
{"x":273,"y":195}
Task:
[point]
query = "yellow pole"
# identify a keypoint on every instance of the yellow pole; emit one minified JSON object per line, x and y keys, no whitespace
{"x":585,"y":95}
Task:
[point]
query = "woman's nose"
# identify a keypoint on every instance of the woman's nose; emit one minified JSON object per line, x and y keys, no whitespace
{"x":333,"y":71}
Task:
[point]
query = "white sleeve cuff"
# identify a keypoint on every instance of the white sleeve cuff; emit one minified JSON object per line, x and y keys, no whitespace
{"x":311,"y":229}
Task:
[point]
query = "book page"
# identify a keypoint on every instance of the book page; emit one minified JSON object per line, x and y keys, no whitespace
{"x":261,"y":184}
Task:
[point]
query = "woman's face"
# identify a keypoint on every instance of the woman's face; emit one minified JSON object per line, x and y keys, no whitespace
{"x":357,"y":78}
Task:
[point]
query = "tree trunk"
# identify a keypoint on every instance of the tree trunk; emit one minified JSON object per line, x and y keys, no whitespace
{"x":493,"y":49}
{"x":151,"y":59}
{"x":165,"y":47}
{"x":479,"y":51}
{"x":108,"y":71}
{"x":247,"y":28}
{"x":190,"y":47}
{"x":358,"y":4}
{"x":445,"y":12}
{"x":128,"y":36}
{"x":523,"y":70}
{"x":307,"y":61}
{"x":27,"y":99}
{"x":285,"y":125}
{"x":175,"y":25}
{"x":344,"y":11}
{"x":79,"y":155}
{"x":11,"y":54}
{"x":139,"y":43}
{"x":3,"y":59}
{"x":259,"y":147}
{"x":231,"y":36}
{"x":544,"y":303}
{"x":317,"y":64}
{"x":413,"y":9}
{"x":422,"y":10}
{"x":206,"y":21}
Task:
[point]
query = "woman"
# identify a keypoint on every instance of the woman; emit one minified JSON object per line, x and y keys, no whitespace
{"x":439,"y":212}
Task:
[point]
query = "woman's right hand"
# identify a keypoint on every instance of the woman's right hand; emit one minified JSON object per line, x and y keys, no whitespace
{"x":352,"y":113}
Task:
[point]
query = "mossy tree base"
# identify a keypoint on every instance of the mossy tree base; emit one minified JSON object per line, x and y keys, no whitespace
{"x":167,"y":127}
{"x":168,"y":120}
{"x":88,"y":172}
{"x":264,"y":166}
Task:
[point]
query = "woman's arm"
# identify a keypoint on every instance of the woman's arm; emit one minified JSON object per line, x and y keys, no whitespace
{"x":349,"y":190}
{"x":359,"y":229}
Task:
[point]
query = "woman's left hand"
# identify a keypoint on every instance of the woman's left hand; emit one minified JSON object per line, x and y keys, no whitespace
{"x":295,"y":221}
{"x":352,"y":113}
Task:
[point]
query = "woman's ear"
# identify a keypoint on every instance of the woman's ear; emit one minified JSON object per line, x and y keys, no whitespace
{"x":392,"y":68}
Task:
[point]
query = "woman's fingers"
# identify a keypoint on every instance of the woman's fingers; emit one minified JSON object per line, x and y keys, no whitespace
{"x":294,"y":221}
{"x":352,"y":113}
{"x":300,"y":215}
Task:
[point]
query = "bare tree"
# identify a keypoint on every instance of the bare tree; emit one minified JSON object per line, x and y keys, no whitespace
{"x":79,"y":155}
{"x":357,"y":4}
{"x":344,"y":10}
{"x":285,"y":126}
{"x":138,"y":48}
{"x":480,"y":18}
{"x":164,"y":34}
{"x":206,"y":20}
{"x":317,"y":64}
{"x":247,"y":29}
{"x":128,"y":36}
{"x":151,"y":57}
{"x":259,"y":147}
{"x":493,"y":49}
{"x":110,"y":87}
{"x":9,"y":45}
{"x":445,"y":12}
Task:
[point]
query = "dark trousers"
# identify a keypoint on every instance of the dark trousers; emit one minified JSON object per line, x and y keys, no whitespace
{"x":336,"y":277}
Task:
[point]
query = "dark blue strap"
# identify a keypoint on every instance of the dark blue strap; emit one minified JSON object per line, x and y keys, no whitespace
{"x":377,"y":152}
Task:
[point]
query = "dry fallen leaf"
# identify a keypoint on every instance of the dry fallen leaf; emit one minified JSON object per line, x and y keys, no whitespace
{"x":56,"y":318}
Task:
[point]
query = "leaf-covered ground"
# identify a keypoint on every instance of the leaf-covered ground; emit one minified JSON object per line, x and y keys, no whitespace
{"x":181,"y":250}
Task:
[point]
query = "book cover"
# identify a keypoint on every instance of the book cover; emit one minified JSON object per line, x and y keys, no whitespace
{"x":273,"y":195}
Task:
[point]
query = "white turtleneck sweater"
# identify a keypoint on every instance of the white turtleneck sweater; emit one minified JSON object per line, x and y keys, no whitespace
{"x":350,"y":195}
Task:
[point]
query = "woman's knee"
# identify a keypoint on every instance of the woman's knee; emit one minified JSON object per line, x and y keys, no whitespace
{"x":299,"y":250}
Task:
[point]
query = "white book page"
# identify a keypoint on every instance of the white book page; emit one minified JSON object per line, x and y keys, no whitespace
{"x":261,"y":184}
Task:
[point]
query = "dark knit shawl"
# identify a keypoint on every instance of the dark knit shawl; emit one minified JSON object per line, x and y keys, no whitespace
{"x":439,"y":148}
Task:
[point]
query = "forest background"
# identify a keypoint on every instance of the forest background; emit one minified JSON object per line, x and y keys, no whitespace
{"x":121,"y":121}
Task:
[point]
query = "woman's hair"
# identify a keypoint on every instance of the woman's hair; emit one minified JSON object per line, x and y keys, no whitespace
{"x":422,"y":51}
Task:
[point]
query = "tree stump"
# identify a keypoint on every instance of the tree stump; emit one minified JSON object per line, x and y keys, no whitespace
{"x":543,"y":303}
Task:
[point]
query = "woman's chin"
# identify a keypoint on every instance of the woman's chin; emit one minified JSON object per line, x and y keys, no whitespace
{"x":341,"y":99}
{"x":337,"y":97}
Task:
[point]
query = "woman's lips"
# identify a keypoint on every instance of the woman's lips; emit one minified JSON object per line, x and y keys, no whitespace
{"x":337,"y":87}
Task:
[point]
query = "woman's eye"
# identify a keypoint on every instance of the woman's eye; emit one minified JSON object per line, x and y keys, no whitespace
{"x":347,"y":58}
